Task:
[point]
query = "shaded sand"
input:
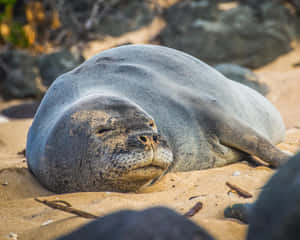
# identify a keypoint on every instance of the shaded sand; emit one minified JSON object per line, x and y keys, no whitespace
{"x":22,"y":215}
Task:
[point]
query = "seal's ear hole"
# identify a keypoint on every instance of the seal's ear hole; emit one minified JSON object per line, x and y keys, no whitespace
{"x":103,"y":131}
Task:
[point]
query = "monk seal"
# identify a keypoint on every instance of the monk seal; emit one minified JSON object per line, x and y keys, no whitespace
{"x":127,"y":115}
{"x":276,"y":213}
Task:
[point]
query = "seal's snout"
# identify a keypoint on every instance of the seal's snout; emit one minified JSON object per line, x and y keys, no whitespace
{"x":150,"y":140}
{"x":156,"y":150}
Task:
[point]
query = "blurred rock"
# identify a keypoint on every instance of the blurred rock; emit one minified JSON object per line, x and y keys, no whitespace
{"x":242,"y":75}
{"x":182,"y":14}
{"x":154,"y":223}
{"x":18,"y":74}
{"x":236,"y":35}
{"x":110,"y":17}
{"x":275,"y":215}
{"x":20,"y":111}
{"x":257,"y":4}
{"x":54,"y":64}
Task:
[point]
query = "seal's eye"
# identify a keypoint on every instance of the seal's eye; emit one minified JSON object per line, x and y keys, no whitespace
{"x":103,"y":131}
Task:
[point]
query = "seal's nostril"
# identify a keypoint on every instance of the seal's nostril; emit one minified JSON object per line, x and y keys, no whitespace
{"x":142,"y":139}
{"x":151,"y":124}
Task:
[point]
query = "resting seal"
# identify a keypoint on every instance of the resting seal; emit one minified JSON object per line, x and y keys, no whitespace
{"x":127,"y":115}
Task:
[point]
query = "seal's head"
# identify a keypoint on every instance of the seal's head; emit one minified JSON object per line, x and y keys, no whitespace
{"x":103,"y":143}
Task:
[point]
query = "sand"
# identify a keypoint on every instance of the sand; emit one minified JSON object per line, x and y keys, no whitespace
{"x":20,"y":214}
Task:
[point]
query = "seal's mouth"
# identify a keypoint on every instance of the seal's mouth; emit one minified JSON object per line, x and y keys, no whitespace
{"x":146,"y":172}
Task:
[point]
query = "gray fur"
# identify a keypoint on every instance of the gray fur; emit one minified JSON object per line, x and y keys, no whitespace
{"x":203,"y":120}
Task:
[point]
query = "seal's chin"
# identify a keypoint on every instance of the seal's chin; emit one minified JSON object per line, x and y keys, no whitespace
{"x":146,"y":172}
{"x":139,"y":178}
{"x":136,"y":166}
{"x":149,"y":166}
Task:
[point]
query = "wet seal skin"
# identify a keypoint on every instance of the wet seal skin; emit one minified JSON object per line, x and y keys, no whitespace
{"x":128,"y":115}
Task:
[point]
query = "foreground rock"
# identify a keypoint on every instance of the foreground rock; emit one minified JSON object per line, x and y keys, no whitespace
{"x":234,"y":35}
{"x":154,"y":223}
{"x":275,"y":215}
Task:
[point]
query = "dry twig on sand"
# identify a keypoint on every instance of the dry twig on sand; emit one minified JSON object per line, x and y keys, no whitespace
{"x":240,"y":191}
{"x":67,"y":207}
{"x":196,"y":208}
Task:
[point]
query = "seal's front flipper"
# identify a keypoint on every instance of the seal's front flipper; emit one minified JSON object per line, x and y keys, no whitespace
{"x":239,"y":211}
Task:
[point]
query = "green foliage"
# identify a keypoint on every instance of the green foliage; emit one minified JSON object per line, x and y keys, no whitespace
{"x":6,"y":2}
{"x":16,"y":35}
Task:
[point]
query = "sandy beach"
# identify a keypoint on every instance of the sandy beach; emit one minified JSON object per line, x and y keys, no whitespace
{"x":24,"y":218}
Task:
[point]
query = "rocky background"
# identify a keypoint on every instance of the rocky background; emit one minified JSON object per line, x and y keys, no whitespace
{"x":40,"y":40}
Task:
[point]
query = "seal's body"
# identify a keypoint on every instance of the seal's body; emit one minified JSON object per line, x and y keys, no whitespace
{"x":151,"y":105}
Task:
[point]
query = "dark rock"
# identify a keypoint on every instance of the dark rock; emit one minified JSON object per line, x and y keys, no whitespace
{"x":182,"y":14}
{"x":240,"y":211}
{"x":236,"y":35}
{"x":276,"y":213}
{"x":18,"y":74}
{"x":154,"y":223}
{"x":24,"y":110}
{"x":242,"y":75}
{"x":112,"y":17}
{"x":257,"y":4}
{"x":54,"y":64}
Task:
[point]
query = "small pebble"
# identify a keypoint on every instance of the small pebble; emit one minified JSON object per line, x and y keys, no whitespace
{"x":236,"y":173}
{"x":47,"y":222}
{"x":13,"y":236}
{"x":3,"y":119}
{"x":230,"y":194}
